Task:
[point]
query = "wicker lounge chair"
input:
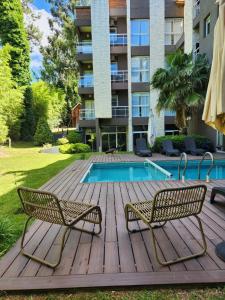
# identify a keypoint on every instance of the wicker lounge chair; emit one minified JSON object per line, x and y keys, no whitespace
{"x":168,"y":148}
{"x":47,"y":207}
{"x":167,"y":205}
{"x":141,"y":148}
{"x":216,"y":190}
{"x":190,"y":147}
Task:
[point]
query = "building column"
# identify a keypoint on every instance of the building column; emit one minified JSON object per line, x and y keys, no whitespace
{"x":98,"y":136}
{"x":157,"y":55}
{"x":188,"y":26}
{"x":130,"y":123}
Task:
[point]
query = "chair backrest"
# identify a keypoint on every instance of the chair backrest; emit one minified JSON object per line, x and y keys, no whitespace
{"x":189,"y":143}
{"x":167,"y":145}
{"x":176,"y":203}
{"x":41,"y":205}
{"x":141,"y":144}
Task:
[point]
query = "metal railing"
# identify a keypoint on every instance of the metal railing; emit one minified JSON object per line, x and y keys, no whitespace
{"x":119,"y":76}
{"x":182,"y":157}
{"x":87,"y":114}
{"x":86,"y":81}
{"x":120,"y":111}
{"x":196,"y":9}
{"x":84,"y":47}
{"x":118,"y":39}
{"x":210,"y":167}
{"x":196,"y":52}
{"x":83,"y":3}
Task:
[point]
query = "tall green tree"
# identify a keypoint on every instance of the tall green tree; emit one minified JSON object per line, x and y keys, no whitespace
{"x":60,"y":67}
{"x":11,"y":95}
{"x":13,"y":32}
{"x":182,"y":85}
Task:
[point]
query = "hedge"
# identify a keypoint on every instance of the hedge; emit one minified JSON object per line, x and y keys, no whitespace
{"x":178,"y":142}
{"x":74,"y":137}
{"x":74,"y":148}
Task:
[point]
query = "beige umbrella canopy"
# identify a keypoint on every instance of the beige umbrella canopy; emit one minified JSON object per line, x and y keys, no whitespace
{"x":214,"y":110}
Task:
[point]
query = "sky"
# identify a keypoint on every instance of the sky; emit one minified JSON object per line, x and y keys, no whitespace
{"x":42,"y":8}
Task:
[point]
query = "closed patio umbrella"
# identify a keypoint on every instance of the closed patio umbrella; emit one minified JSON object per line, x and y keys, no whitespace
{"x":214,"y":110}
{"x":151,"y":129}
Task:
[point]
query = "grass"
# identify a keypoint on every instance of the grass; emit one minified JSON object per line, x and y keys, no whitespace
{"x":23,"y":165}
{"x":171,"y":294}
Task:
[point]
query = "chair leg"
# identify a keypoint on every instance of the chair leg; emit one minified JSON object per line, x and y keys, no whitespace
{"x":88,"y":231}
{"x":37,"y":259}
{"x":170,"y":262}
{"x":212,"y":197}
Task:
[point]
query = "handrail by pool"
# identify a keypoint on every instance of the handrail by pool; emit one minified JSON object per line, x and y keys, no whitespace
{"x":183,"y":155}
{"x":210,"y":168}
{"x":168,"y":174}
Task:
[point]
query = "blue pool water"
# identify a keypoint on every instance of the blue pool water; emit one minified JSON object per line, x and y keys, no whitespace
{"x":142,"y":171}
{"x":218,"y":171}
{"x":125,"y":171}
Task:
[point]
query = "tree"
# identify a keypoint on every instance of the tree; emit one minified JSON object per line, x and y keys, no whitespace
{"x":13,"y":32}
{"x":49,"y":102}
{"x":43,"y":134}
{"x":11,"y":95}
{"x":182,"y":85}
{"x":3,"y":130}
{"x":60,"y":67}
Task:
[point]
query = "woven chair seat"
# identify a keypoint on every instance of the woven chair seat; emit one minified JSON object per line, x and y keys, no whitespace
{"x":143,"y":211}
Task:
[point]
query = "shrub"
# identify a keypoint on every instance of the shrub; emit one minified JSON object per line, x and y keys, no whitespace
{"x":43,"y":134}
{"x":62,"y":141}
{"x":3,"y":131}
{"x":74,"y":148}
{"x":178,"y":142}
{"x":74,"y":137}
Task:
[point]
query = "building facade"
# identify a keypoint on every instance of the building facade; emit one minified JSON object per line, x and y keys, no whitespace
{"x":203,"y":15}
{"x":121,"y":44}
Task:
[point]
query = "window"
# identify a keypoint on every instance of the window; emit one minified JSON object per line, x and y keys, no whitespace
{"x":115,"y":100}
{"x":114,"y":67}
{"x":173,"y":30}
{"x":140,"y":32}
{"x":207,"y":22}
{"x":140,"y":105}
{"x":89,"y":109}
{"x":140,"y":69}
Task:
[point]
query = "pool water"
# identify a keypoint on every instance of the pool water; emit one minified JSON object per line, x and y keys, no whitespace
{"x":218,"y":171}
{"x":143,"y":171}
{"x":125,"y":171}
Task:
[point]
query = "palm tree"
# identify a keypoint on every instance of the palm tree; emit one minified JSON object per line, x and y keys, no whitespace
{"x":182,"y":85}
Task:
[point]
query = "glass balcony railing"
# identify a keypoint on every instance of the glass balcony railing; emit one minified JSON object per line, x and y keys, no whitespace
{"x":84,"y":47}
{"x":83,"y":3}
{"x":86,"y":81}
{"x":120,"y":111}
{"x":169,"y":113}
{"x":118,"y":39}
{"x":119,"y":76}
{"x":87,"y":114}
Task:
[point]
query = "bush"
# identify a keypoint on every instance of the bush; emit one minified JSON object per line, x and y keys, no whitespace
{"x":3,"y":131}
{"x":178,"y":142}
{"x":62,"y":141}
{"x":43,"y":134}
{"x":74,"y":137}
{"x":7,"y":235}
{"x":74,"y":148}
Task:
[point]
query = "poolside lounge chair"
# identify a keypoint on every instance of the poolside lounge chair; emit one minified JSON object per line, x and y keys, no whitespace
{"x":141,"y":148}
{"x":167,"y":205}
{"x":190,"y":147}
{"x":111,"y":151}
{"x":216,"y":190}
{"x":47,"y":207}
{"x":168,"y":148}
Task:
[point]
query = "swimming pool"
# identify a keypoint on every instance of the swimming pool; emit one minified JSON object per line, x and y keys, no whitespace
{"x":148,"y":170}
{"x":218,"y":171}
{"x":125,"y":171}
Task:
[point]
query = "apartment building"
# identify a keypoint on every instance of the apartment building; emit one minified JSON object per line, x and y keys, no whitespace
{"x":203,"y":16}
{"x":121,"y":44}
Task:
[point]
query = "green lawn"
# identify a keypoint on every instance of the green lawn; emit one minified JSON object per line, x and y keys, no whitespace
{"x":23,"y":165}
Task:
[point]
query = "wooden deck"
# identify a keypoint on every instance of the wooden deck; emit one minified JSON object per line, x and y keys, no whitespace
{"x":115,"y":258}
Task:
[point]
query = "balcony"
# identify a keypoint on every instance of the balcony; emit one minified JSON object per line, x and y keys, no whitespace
{"x":86,"y":84}
{"x":84,"y":51}
{"x":196,"y":52}
{"x":171,"y":39}
{"x":120,"y":112}
{"x":83,"y":3}
{"x":196,"y":9}
{"x":87,"y":114}
{"x":119,"y":79}
{"x":169,"y":113}
{"x":118,"y":39}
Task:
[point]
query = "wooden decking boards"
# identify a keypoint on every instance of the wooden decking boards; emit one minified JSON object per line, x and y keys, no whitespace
{"x":116,"y":258}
